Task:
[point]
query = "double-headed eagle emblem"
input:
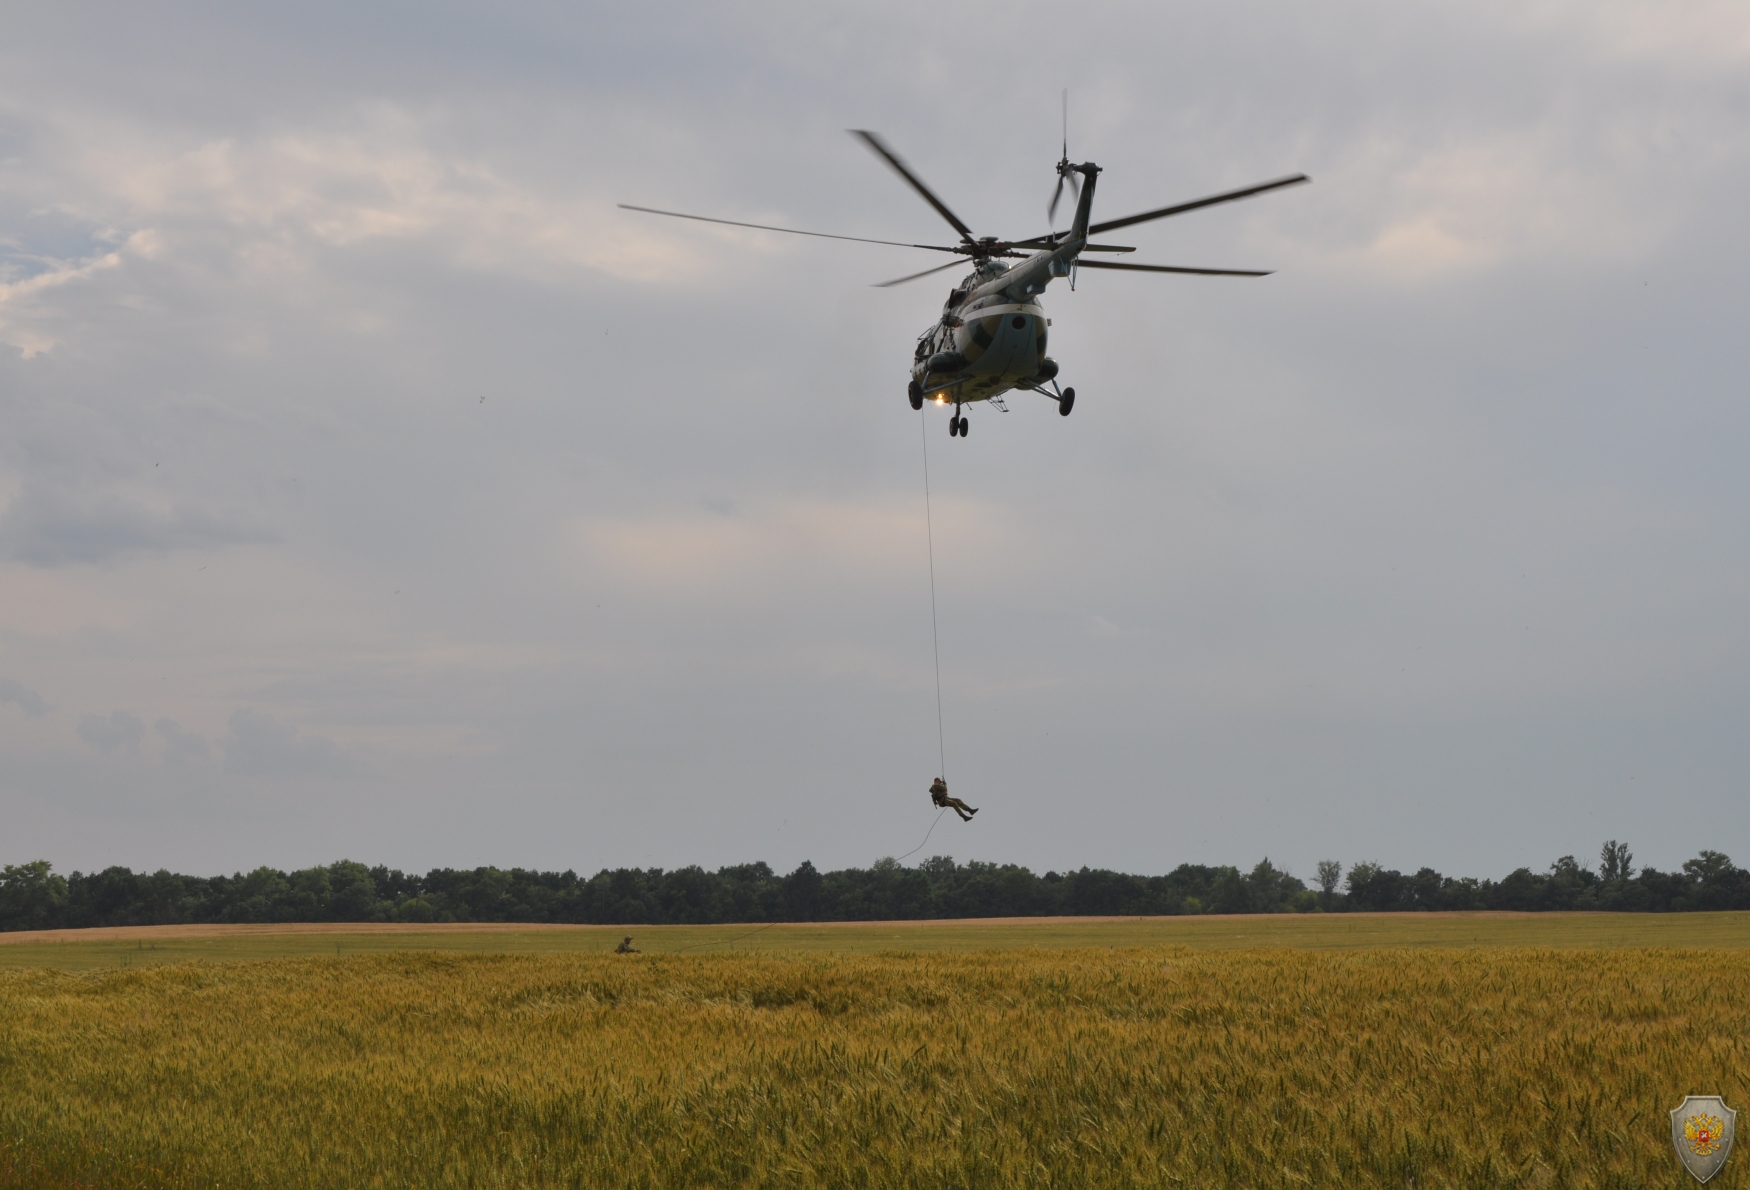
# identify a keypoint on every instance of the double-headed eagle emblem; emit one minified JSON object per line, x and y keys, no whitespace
{"x":1701,"y":1128}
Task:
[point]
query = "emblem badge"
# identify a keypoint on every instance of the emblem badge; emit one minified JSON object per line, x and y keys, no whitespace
{"x":1701,"y":1128}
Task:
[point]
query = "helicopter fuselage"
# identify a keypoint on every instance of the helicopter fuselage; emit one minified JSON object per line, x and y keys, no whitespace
{"x":976,"y":353}
{"x":992,"y":334}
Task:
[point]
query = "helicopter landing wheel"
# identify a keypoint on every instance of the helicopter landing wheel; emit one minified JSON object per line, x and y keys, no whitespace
{"x":954,"y":426}
{"x":916,"y":392}
{"x":1066,"y":402}
{"x":964,"y":426}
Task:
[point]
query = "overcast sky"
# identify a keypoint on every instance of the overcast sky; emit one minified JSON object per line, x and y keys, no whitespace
{"x":371,"y":486}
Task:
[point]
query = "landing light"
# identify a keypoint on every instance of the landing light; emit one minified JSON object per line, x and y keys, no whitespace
{"x":940,"y":401}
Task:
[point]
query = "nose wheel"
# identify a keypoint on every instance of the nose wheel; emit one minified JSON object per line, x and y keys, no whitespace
{"x":958,"y":426}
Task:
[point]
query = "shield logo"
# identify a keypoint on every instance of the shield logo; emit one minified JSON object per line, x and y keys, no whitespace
{"x":1701,"y":1128}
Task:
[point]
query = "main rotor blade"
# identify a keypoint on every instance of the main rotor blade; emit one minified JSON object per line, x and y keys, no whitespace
{"x":1043,"y":242}
{"x":786,"y":230}
{"x":915,"y":276}
{"x":1211,"y":201}
{"x":1167,"y":268}
{"x":881,"y":150}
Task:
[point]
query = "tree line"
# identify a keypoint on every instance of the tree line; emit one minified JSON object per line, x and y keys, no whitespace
{"x":33,"y":896}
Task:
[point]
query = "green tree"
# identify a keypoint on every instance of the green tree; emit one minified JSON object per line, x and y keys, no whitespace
{"x":1231,"y":892}
{"x":352,"y":892}
{"x":32,"y":897}
{"x":308,"y":898}
{"x":1705,"y":868}
{"x":804,"y":889}
{"x":1615,"y":862}
{"x":1273,"y":890}
{"x":1428,"y":890}
{"x":1360,"y":882}
{"x":1720,"y":884}
{"x":262,"y":895}
{"x":1570,"y":885}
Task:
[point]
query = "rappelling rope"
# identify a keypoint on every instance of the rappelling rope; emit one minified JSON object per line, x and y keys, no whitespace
{"x":726,"y":941}
{"x":935,"y":635}
{"x":927,"y":835}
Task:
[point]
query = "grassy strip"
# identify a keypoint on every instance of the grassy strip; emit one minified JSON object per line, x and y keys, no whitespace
{"x":76,"y":951}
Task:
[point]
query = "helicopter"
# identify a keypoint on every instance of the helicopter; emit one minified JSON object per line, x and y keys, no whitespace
{"x":991,"y":336}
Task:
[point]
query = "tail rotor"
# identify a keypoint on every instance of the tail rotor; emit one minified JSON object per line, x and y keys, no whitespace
{"x":1064,"y":171}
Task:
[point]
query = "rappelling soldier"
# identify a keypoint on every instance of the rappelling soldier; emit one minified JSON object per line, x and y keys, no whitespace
{"x":939,"y":795}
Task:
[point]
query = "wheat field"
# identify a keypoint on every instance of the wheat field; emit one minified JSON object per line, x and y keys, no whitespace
{"x":1151,"y":1066}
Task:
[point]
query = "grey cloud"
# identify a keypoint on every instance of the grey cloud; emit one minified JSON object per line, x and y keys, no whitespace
{"x":1430,"y":546}
{"x":182,"y":746}
{"x":259,"y":745}
{"x":48,"y":525}
{"x":28,"y":701}
{"x":112,"y":733}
